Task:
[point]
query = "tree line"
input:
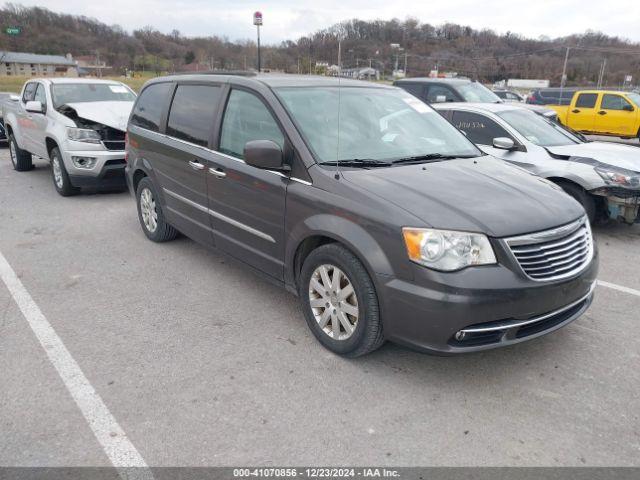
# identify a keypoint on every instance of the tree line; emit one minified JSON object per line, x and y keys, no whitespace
{"x":481,"y":54}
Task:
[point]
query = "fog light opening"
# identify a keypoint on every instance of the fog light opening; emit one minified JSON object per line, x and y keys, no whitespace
{"x":84,"y":162}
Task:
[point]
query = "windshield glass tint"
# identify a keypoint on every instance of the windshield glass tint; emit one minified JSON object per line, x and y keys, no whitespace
{"x":635,"y":98}
{"x":538,"y":130}
{"x":370,"y":123}
{"x":64,"y":93}
{"x":476,"y":92}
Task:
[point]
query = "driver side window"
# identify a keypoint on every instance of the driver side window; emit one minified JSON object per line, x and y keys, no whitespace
{"x":479,"y":129}
{"x":614,"y":102}
{"x":439,"y":93}
{"x":246,"y":118}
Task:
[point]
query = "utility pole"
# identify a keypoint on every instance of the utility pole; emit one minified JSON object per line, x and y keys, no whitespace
{"x":257,"y":21}
{"x":564,"y":73}
{"x":99,"y":70}
{"x":339,"y":58}
{"x":601,"y":76}
{"x":405,"y":63}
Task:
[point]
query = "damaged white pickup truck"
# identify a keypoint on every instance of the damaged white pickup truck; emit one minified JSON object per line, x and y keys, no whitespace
{"x":78,"y":125}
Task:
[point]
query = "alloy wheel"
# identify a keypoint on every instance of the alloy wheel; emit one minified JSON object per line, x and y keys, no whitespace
{"x":57,"y":172}
{"x":12,"y":153}
{"x":333,"y":302}
{"x":148,"y":210}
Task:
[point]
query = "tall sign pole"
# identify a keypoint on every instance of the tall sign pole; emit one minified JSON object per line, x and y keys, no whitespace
{"x":257,"y":21}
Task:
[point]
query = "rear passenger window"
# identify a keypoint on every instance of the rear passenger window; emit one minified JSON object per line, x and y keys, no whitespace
{"x":586,"y":100}
{"x":247,"y":118}
{"x":147,"y":112}
{"x":414,"y":89}
{"x":192,"y":113}
{"x":29,"y":92}
{"x":438,"y":94}
{"x":479,"y":129}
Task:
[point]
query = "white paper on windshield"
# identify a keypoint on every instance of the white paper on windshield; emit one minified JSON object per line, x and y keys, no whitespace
{"x":416,"y":104}
{"x":118,"y":89}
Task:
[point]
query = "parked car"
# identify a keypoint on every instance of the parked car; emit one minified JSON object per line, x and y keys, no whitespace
{"x":602,"y":112}
{"x":551,"y":96}
{"x":384,"y":219}
{"x":3,"y":134}
{"x":604,"y":177}
{"x":509,"y":96}
{"x":444,"y":90}
{"x":77,"y":124}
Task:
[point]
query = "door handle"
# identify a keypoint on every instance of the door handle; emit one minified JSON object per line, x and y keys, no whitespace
{"x":217,"y":172}
{"x":196,"y":165}
{"x":575,"y":110}
{"x":602,"y":112}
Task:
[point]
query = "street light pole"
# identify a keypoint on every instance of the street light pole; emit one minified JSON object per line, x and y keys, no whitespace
{"x":257,"y":21}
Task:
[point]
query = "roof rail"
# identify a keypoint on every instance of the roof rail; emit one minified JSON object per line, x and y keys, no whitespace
{"x":238,"y":73}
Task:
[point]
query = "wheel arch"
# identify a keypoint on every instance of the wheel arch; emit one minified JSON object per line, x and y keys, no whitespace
{"x":322,"y":229}
{"x":50,"y":143}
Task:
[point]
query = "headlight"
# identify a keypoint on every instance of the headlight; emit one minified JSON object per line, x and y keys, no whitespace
{"x":619,"y":178}
{"x":83,"y":135}
{"x":447,"y":250}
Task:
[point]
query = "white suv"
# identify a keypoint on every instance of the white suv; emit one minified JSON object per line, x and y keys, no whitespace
{"x":77,"y":124}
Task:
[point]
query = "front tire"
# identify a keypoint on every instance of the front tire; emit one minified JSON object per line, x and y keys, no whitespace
{"x":585,"y":199}
{"x":59,"y":174}
{"x":339,"y":301}
{"x":152,"y":220}
{"x":20,"y":159}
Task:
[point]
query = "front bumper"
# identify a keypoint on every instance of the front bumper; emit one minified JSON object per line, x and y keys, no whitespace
{"x":496,"y":305}
{"x":108,"y":170}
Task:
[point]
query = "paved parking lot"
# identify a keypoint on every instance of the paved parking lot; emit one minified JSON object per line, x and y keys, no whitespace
{"x":201,"y":362}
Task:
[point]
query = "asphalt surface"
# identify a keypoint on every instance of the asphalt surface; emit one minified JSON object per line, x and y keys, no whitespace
{"x":203,"y":363}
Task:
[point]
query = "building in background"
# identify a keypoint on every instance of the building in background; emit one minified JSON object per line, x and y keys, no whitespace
{"x":93,"y":66}
{"x":36,"y":65}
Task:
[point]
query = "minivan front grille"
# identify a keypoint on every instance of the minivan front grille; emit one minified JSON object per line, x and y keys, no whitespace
{"x":554,"y":254}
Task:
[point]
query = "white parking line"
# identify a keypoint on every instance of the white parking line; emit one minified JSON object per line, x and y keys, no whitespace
{"x":620,"y":288}
{"x":121,"y":452}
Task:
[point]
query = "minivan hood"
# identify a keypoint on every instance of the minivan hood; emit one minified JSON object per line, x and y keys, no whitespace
{"x":478,"y":195}
{"x":614,"y":154}
{"x":111,"y":114}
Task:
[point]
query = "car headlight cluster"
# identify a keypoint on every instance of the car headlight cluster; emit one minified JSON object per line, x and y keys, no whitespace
{"x":83,"y":135}
{"x":447,"y":250}
{"x":619,"y":178}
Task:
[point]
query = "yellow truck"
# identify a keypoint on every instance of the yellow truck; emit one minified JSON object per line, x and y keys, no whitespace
{"x":602,"y":112}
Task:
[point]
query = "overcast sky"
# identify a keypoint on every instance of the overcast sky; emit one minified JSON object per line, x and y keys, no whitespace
{"x":289,"y":19}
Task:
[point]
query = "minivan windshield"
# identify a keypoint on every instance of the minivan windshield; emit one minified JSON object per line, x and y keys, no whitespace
{"x":476,"y":92}
{"x":538,"y":130}
{"x":63,"y":93}
{"x":372,"y":124}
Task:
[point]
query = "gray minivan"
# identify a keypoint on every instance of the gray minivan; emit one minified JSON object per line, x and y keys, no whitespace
{"x":385,"y":220}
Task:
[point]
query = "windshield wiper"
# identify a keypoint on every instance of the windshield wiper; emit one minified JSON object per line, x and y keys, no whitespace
{"x":431,"y":157}
{"x":358,"y":162}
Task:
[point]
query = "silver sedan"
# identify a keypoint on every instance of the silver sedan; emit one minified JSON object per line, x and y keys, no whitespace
{"x":603,"y":177}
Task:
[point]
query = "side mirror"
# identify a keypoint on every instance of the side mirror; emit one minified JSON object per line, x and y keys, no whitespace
{"x":34,"y":106}
{"x":504,"y":143}
{"x":628,"y":108}
{"x":14,"y":98}
{"x":264,"y":154}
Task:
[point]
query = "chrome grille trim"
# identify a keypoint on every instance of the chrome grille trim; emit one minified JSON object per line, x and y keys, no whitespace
{"x":554,"y":254}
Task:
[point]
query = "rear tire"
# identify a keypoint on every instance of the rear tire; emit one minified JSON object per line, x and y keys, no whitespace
{"x":20,"y":159}
{"x":585,"y":199}
{"x":59,"y":174}
{"x":152,"y":220}
{"x":346,"y":323}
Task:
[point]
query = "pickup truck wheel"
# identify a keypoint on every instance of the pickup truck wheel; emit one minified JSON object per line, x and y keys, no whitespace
{"x":60,"y":176}
{"x":152,"y":221}
{"x":340,"y":302}
{"x":20,"y":159}
{"x":582,"y":197}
